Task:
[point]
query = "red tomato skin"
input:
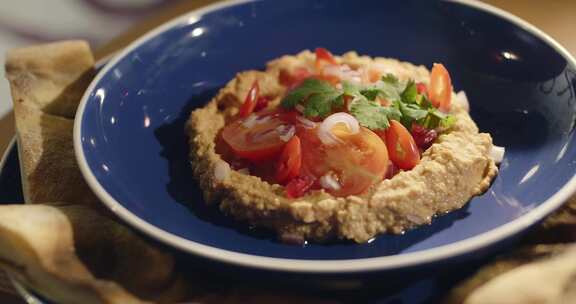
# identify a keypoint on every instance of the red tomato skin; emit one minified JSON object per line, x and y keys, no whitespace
{"x":323,"y":54}
{"x":240,"y":139}
{"x":292,"y":79}
{"x":298,"y":186}
{"x":440,"y":90}
{"x":356,"y":172}
{"x":421,"y":89}
{"x":290,"y":161}
{"x":261,"y":103}
{"x":423,"y":137}
{"x":402,"y":148}
{"x":250,"y":100}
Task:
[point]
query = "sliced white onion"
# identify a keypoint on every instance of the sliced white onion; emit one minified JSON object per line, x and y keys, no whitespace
{"x":299,"y":108}
{"x":244,"y":171}
{"x":285,"y":132}
{"x":250,"y":121}
{"x":497,"y":154}
{"x":463,"y":100}
{"x":264,"y":136}
{"x":333,"y":70}
{"x":221,"y":170}
{"x":328,"y":182}
{"x":308,"y":124}
{"x":263,"y":119}
{"x":325,"y":130}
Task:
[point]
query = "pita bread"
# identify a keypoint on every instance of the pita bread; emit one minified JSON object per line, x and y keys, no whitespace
{"x":550,"y":239}
{"x":47,"y":83}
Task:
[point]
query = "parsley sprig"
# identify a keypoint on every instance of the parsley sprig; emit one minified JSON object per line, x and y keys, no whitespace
{"x":321,"y":99}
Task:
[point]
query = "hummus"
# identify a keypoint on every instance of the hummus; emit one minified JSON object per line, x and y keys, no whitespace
{"x":454,"y":169}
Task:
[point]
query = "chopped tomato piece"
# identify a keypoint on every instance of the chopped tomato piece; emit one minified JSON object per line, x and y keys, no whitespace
{"x":392,"y":170}
{"x":261,"y":103}
{"x":256,"y":141}
{"x":440,"y":90}
{"x":374,"y":75}
{"x":250,"y":101}
{"x":423,"y":137}
{"x":421,"y":89}
{"x":298,"y":186}
{"x":292,"y":79}
{"x":402,"y":149}
{"x":324,"y":56}
{"x":290,"y":161}
{"x":356,"y":163}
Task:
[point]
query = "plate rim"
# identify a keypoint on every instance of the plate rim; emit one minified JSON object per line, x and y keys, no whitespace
{"x":427,"y":256}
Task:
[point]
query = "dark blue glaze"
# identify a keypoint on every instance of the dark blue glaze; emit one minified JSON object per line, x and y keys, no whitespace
{"x":521,"y":90}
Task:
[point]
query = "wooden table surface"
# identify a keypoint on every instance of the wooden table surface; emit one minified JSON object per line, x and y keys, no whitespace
{"x":555,"y":17}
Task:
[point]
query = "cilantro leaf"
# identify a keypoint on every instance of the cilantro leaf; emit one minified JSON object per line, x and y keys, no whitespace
{"x":391,"y":79}
{"x":308,"y":87}
{"x":410,"y":93}
{"x":372,"y":115}
{"x":319,"y":96}
{"x":412,"y":112}
{"x":321,"y":104}
{"x":371,"y":93}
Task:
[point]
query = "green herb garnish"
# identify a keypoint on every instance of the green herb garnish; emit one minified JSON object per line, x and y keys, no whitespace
{"x":320,"y":99}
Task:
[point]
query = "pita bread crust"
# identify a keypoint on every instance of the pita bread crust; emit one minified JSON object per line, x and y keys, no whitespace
{"x":46,"y":261}
{"x":51,"y":77}
{"x":47,"y":83}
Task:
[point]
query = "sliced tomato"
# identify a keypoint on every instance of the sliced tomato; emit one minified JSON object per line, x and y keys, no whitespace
{"x":440,"y":90}
{"x":323,"y":56}
{"x":259,"y":141}
{"x":402,"y":148}
{"x":250,"y":101}
{"x":356,"y":163}
{"x":290,"y":161}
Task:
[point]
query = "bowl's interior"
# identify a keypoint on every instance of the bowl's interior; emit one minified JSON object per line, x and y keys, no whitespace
{"x":521,"y":90}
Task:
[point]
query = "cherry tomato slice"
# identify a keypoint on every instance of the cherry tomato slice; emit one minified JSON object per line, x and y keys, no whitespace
{"x":250,"y":101}
{"x":440,"y":90}
{"x":324,"y":56}
{"x":290,"y":161}
{"x":357,"y":163}
{"x":402,"y":149}
{"x":258,"y":142}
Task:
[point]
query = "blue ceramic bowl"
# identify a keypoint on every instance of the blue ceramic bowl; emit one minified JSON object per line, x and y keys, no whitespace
{"x":132,"y":149}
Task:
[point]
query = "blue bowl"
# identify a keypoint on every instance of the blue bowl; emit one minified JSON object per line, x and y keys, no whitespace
{"x":132,"y":149}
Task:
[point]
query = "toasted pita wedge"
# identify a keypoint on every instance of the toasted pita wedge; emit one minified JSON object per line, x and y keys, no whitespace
{"x":47,"y":83}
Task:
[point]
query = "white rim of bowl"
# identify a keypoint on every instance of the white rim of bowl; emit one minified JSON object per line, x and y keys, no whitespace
{"x":319,"y":266}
